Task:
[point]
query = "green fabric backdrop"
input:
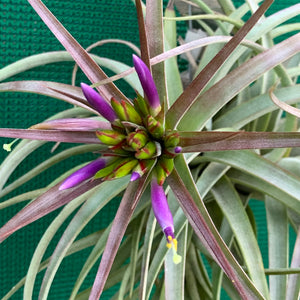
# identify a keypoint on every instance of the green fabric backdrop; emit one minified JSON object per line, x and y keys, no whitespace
{"x":22,"y":33}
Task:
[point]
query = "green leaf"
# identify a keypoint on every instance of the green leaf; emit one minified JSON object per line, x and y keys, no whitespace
{"x":19,"y":153}
{"x":293,"y":286}
{"x":173,"y":79}
{"x":211,"y":101}
{"x":252,"y":108}
{"x":161,"y":250}
{"x":79,"y":245}
{"x":261,"y":170}
{"x":126,"y":208}
{"x":203,"y":226}
{"x":262,"y":28}
{"x":35,"y":264}
{"x":46,"y":165}
{"x":106,"y":192}
{"x":190,"y":94}
{"x":43,"y":205}
{"x":278,"y":243}
{"x":149,"y":235}
{"x":233,"y":209}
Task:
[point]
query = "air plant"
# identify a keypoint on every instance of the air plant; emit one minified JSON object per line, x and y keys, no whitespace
{"x":189,"y":159}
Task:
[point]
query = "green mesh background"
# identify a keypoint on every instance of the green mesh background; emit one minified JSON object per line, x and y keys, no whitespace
{"x":22,"y":33}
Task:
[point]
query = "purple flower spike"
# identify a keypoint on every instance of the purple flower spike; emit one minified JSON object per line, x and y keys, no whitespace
{"x":98,"y":103}
{"x":83,"y":174}
{"x":164,"y":217}
{"x":148,"y":85}
{"x":161,"y":208}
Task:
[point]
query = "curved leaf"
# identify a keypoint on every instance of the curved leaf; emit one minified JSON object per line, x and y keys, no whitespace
{"x":19,"y":153}
{"x":82,"y":58}
{"x":211,"y":101}
{"x":43,"y":205}
{"x":253,"y":108}
{"x":106,"y":192}
{"x":286,"y":191}
{"x":203,"y":226}
{"x":124,"y":213}
{"x":233,"y":209}
{"x":155,"y":38}
{"x":284,"y":106}
{"x":190,"y":94}
{"x":47,"y":164}
{"x":36,"y":263}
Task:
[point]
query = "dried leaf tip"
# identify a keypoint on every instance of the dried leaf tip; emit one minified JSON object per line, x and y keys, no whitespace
{"x":98,"y":103}
{"x":164,"y":217}
{"x":147,"y":82}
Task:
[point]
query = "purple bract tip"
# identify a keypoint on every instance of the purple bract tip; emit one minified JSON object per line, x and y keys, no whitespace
{"x":169,"y":231}
{"x":148,"y":84}
{"x":83,"y":174}
{"x":135,"y":176}
{"x":177,"y":149}
{"x":98,"y":103}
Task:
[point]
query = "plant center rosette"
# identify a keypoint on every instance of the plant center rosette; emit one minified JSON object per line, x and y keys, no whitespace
{"x":137,"y":143}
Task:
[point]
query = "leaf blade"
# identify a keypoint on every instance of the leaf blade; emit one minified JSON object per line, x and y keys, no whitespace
{"x":188,"y":97}
{"x":82,"y":58}
{"x":204,"y":141}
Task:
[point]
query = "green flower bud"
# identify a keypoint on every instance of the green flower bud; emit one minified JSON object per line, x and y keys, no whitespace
{"x":163,"y":169}
{"x":118,"y":108}
{"x":142,"y":168}
{"x":110,"y":137}
{"x":137,"y":139}
{"x":167,"y":165}
{"x":148,"y":151}
{"x":141,"y":105}
{"x":172,"y":139}
{"x":160,"y":174}
{"x":109,"y":169}
{"x":126,"y":111}
{"x":123,"y":168}
{"x":155,"y":127}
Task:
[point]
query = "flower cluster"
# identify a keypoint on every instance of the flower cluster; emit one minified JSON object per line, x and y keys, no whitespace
{"x":137,"y":143}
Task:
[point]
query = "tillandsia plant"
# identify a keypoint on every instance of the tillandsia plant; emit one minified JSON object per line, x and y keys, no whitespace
{"x":189,"y":159}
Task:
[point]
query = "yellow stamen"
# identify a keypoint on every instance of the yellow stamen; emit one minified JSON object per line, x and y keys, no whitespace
{"x":7,"y":147}
{"x":172,"y":243}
